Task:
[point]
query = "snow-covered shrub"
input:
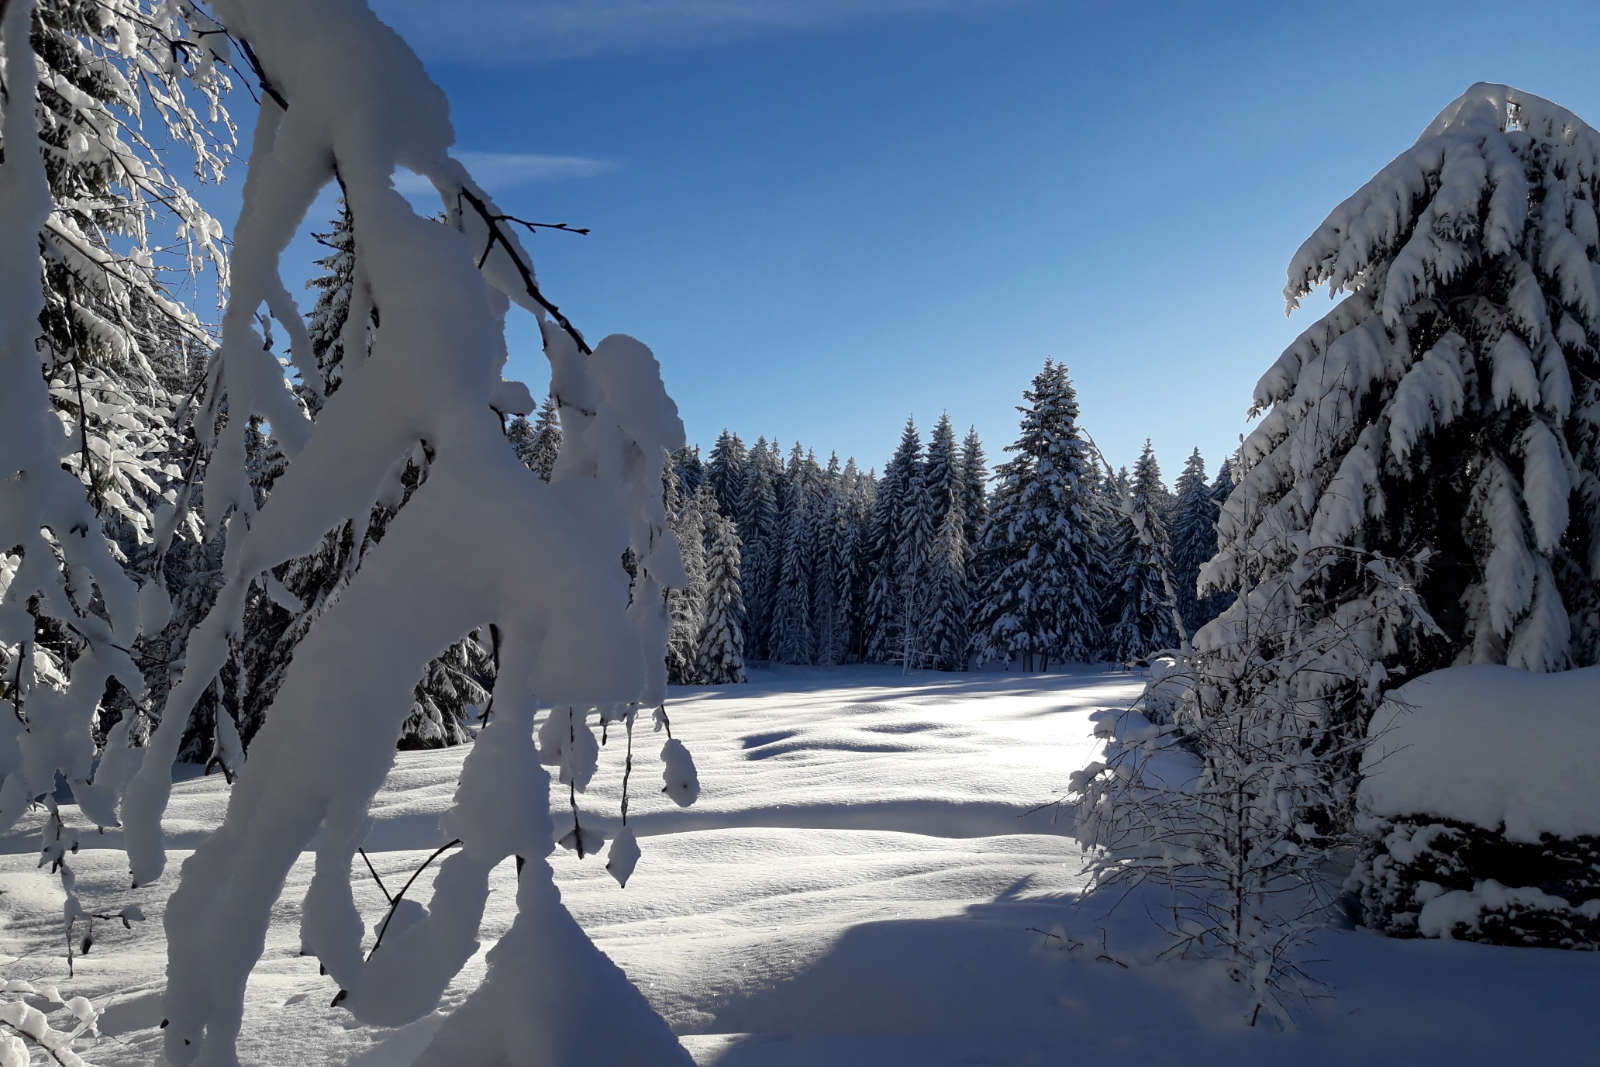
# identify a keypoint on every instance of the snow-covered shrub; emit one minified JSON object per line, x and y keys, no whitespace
{"x":1167,"y":687}
{"x":1480,"y":808}
{"x":1227,"y":784}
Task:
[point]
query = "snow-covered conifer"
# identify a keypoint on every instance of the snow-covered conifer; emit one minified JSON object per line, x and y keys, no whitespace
{"x":44,"y":510}
{"x":325,"y":324}
{"x":825,"y":525}
{"x":546,"y":447}
{"x":792,"y":638}
{"x":945,"y":599}
{"x":894,"y":548}
{"x":851,"y":569}
{"x":761,"y":551}
{"x":726,"y":471}
{"x":1037,"y":604}
{"x":685,"y":603}
{"x":721,"y":649}
{"x":519,"y":431}
{"x":1222,"y":486}
{"x":1443,"y":414}
{"x":1145,"y":611}
{"x":974,"y":488}
{"x":1194,"y":541}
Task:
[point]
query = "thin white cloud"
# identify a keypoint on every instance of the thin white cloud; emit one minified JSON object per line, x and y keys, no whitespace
{"x":499,"y":172}
{"x":523,"y":31}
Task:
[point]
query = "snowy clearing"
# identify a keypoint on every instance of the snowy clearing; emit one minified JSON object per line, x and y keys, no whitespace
{"x":855,"y":886}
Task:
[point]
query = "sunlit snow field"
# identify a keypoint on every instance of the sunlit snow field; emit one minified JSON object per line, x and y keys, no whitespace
{"x":864,"y":881}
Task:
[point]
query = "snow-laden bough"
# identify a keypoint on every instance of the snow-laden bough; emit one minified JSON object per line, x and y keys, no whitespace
{"x":481,"y":543}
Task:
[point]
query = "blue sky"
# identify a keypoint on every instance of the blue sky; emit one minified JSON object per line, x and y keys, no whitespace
{"x":826,"y":215}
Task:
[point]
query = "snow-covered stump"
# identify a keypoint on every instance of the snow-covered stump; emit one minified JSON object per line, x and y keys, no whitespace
{"x":1481,"y":809}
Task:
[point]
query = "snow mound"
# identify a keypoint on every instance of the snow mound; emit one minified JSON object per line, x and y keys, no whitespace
{"x":1491,"y":746}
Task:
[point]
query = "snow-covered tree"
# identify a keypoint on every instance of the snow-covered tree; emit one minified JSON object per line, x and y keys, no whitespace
{"x":792,"y":638}
{"x":1194,"y":541}
{"x":451,"y":685}
{"x":481,"y":543}
{"x":1037,"y":604}
{"x":974,"y":489}
{"x":519,"y":431}
{"x":121,"y":362}
{"x":325,"y":324}
{"x":546,"y":445}
{"x":943,"y":636}
{"x":726,"y":471}
{"x":686,"y":604}
{"x":121,"y":354}
{"x":1144,"y":613}
{"x":757,"y":516}
{"x":1222,"y":486}
{"x":1238,"y":847}
{"x":898,"y":549}
{"x":1444,"y":413}
{"x":825,"y":520}
{"x":122,"y":358}
{"x":721,"y":647}
{"x":851,"y":542}
{"x":58,"y":568}
{"x":275,"y":624}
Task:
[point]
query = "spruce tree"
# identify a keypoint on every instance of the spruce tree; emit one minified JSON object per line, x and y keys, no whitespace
{"x":1038,"y":605}
{"x":325,"y":324}
{"x":792,"y":640}
{"x":825,"y":558}
{"x":451,"y":684}
{"x":726,"y":471}
{"x":852,"y":571}
{"x":546,"y":445}
{"x":1194,"y":541}
{"x":1145,"y":609}
{"x":685,"y":605}
{"x":283,"y":606}
{"x":720,"y":658}
{"x":893,"y":549}
{"x":942,"y":614}
{"x":1222,"y":487}
{"x":758,"y":526}
{"x":519,"y":431}
{"x":974,"y":488}
{"x":122,"y":358}
{"x":1444,"y":416}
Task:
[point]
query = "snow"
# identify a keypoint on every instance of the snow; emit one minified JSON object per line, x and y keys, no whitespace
{"x":855,"y":887}
{"x":1443,"y":911}
{"x":1492,"y":746}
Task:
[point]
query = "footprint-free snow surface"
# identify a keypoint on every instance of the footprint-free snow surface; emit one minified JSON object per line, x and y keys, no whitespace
{"x":874,"y":876}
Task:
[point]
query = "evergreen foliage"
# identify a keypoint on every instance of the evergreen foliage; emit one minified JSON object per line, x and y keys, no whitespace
{"x":1036,"y":553}
{"x":943,"y":635}
{"x":546,"y":444}
{"x":1146,"y":613}
{"x":898,"y":541}
{"x":1194,"y":541}
{"x":721,"y":647}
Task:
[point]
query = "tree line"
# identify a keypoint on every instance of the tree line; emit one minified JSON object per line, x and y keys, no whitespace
{"x":936,"y":563}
